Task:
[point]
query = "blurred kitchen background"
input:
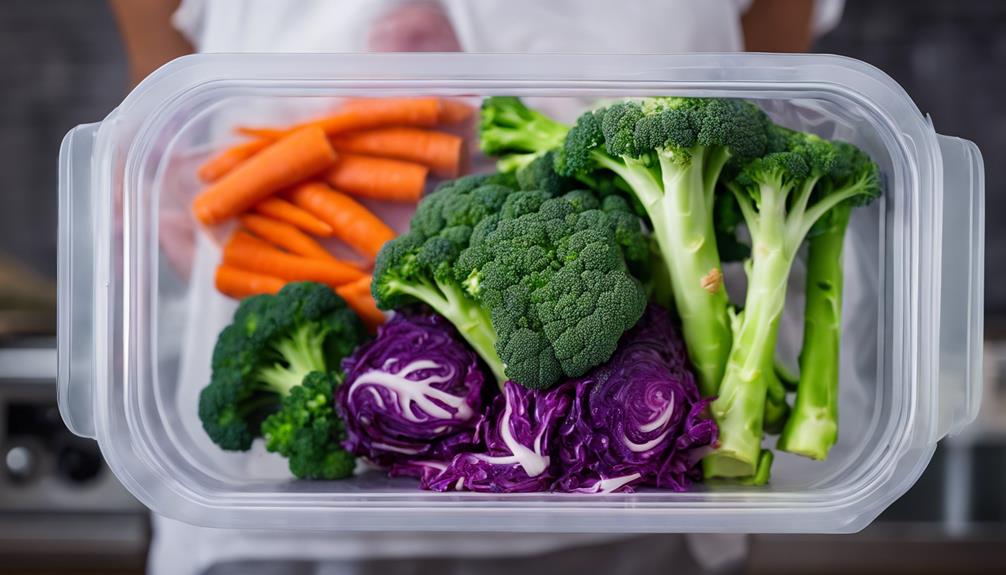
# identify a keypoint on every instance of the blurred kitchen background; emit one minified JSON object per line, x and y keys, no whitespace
{"x":61,"y":64}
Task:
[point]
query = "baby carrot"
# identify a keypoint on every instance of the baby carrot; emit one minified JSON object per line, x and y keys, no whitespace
{"x":454,"y":111}
{"x":285,"y":236}
{"x":439,"y":151}
{"x":249,"y":253}
{"x":239,"y":284}
{"x":357,"y":295}
{"x":283,"y":210}
{"x":286,"y":162}
{"x":367,"y":113}
{"x":217,"y":166}
{"x":377,"y":178}
{"x":350,"y":221}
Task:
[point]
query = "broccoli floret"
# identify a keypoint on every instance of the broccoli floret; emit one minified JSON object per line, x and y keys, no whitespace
{"x":812,"y":428}
{"x":307,"y":431}
{"x":453,"y":234}
{"x":272,"y":343}
{"x":782,"y":195}
{"x":418,"y":266}
{"x":516,"y":134}
{"x":670,"y":153}
{"x":553,"y":273}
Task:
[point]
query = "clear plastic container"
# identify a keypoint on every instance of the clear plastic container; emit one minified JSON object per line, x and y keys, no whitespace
{"x":135,"y":333}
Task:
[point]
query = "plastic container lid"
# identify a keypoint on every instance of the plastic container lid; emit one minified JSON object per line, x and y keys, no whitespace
{"x":135,"y":333}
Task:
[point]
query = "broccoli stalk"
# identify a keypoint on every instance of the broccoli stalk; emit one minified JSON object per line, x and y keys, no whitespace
{"x":670,"y":152}
{"x":780,"y":200}
{"x":516,"y":134}
{"x":812,"y":428}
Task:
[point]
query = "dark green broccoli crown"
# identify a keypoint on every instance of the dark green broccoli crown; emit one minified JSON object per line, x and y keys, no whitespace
{"x":637,"y":128}
{"x":439,"y":230}
{"x":540,"y":174}
{"x":272,"y":343}
{"x":554,"y":278}
{"x":852,"y":167}
{"x":576,"y":157}
{"x":507,"y":126}
{"x":307,"y":431}
{"x":779,"y":170}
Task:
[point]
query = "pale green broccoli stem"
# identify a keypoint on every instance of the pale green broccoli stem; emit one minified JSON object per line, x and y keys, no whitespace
{"x":470,"y":318}
{"x":813,"y":426}
{"x":739,"y":409}
{"x":680,"y":209}
{"x":303,"y":353}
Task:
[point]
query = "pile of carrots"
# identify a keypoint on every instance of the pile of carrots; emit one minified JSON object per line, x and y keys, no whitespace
{"x":288,"y":186}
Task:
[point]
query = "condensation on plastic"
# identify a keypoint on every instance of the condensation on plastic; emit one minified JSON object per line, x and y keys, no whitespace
{"x":136,"y":328}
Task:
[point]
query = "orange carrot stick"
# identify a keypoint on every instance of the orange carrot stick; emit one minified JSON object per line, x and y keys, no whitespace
{"x":217,"y":166}
{"x":438,"y":151}
{"x":286,"y":162}
{"x":454,"y":111}
{"x":283,"y":210}
{"x":357,"y":295}
{"x":285,"y":236}
{"x":238,"y":283}
{"x":350,"y":221}
{"x":377,"y":178}
{"x":249,"y":253}
{"x":365,"y":114}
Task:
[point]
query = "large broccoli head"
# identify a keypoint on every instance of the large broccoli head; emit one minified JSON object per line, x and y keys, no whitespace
{"x":273,"y":342}
{"x":552,"y":271}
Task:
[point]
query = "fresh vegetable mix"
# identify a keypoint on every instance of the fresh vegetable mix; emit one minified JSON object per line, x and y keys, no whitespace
{"x":299,"y":155}
{"x":285,"y":211}
{"x":246,"y":252}
{"x":285,"y":236}
{"x":350,"y":221}
{"x":530,"y":346}
{"x":438,"y":151}
{"x":377,"y":178}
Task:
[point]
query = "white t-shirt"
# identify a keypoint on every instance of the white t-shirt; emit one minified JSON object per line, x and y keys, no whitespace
{"x":527,"y":26}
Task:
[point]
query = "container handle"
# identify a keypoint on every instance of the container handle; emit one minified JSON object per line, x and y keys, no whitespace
{"x":963,"y":285}
{"x":75,"y":344}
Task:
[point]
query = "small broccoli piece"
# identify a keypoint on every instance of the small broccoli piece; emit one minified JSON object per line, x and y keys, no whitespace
{"x":516,"y":134}
{"x":272,"y":343}
{"x":670,"y":153}
{"x":540,"y":174}
{"x":782,"y":195}
{"x":553,"y":273}
{"x":812,"y":428}
{"x":307,"y":431}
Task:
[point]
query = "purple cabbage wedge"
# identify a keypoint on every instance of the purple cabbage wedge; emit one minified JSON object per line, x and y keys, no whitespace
{"x":637,"y":420}
{"x":519,"y":437}
{"x":413,"y":393}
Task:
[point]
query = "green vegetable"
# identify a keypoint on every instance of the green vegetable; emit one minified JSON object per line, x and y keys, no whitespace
{"x":552,"y":272}
{"x":670,"y":153}
{"x":781,"y":201}
{"x":813,"y":426}
{"x":515,"y":133}
{"x":307,"y":431}
{"x":527,"y":278}
{"x":267,"y":350}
